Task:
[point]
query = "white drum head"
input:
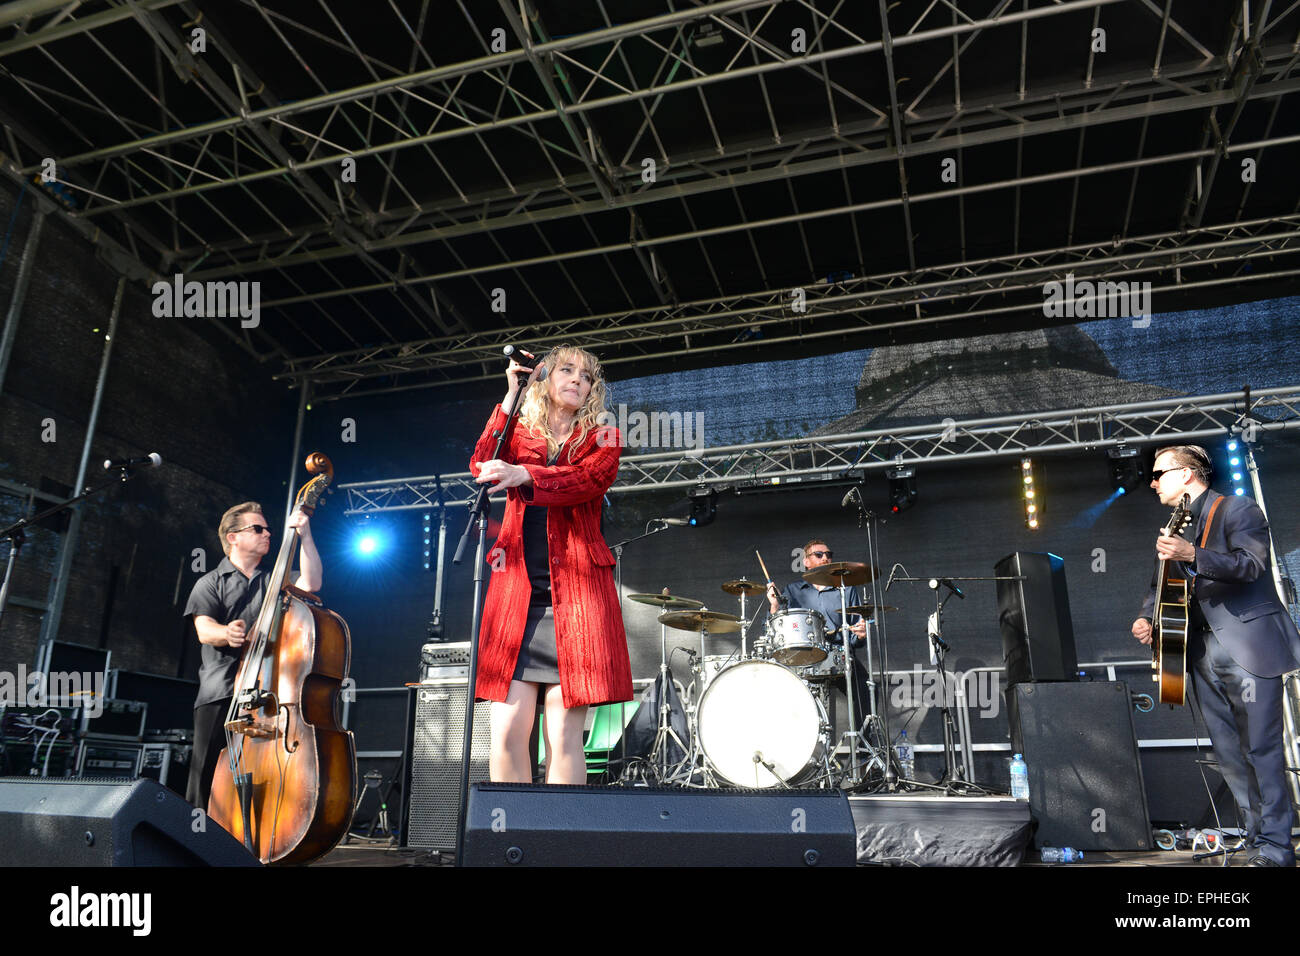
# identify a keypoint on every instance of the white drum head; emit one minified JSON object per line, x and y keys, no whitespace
{"x":758,"y":707}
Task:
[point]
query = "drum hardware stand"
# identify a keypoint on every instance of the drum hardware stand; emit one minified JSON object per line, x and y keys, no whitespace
{"x":373,"y":779}
{"x":665,"y":674}
{"x":871,"y":715}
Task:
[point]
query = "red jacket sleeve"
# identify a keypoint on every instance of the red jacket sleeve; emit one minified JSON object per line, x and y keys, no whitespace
{"x":487,"y":442}
{"x":588,"y":478}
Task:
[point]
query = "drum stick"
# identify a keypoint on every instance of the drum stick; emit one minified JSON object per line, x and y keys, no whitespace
{"x":766,"y":577}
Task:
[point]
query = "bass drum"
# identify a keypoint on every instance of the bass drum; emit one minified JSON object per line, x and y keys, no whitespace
{"x":756,"y":714}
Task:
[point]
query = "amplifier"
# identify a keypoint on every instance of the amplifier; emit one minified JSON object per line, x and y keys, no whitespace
{"x":109,"y":759}
{"x":119,"y":720}
{"x":437,"y":742}
{"x":169,"y":764}
{"x":444,"y":662}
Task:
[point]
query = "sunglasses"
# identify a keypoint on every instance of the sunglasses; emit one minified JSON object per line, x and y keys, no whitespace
{"x":255,"y":528}
{"x":1155,"y":475}
{"x":820,"y":554}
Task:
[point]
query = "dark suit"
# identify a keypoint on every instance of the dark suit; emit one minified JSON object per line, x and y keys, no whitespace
{"x":1236,"y":657}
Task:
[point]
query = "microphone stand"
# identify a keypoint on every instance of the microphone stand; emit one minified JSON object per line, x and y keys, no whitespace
{"x":478,"y":514}
{"x":16,"y":533}
{"x":953,"y":782}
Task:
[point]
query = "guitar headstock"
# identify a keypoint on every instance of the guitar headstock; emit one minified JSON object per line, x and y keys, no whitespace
{"x":1180,"y":518}
{"x":310,"y":493}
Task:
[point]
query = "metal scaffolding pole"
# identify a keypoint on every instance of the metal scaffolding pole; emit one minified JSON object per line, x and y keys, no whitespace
{"x":304,"y":399}
{"x":25,"y":267}
{"x":59,"y":584}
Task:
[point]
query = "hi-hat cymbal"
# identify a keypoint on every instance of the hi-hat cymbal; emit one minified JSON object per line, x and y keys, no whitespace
{"x":716,"y":622}
{"x":869,"y":610}
{"x":847,"y":573}
{"x":743,"y":586}
{"x":667,"y":602}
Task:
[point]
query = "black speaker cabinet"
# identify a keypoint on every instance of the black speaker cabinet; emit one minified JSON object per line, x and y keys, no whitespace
{"x":523,"y":825}
{"x":71,"y":822}
{"x":1034,"y":615}
{"x":433,"y":777}
{"x":1085,"y":779}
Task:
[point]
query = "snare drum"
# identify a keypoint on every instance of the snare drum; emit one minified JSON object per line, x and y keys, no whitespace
{"x":757,"y":709}
{"x":830,"y":666}
{"x":797,"y":637}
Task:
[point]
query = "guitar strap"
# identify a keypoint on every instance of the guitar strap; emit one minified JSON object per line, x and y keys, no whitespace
{"x":1205,"y":535}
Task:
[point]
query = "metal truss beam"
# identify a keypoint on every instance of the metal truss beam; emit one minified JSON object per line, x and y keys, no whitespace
{"x":1171,"y":255}
{"x":1273,"y":411}
{"x":851,"y":148}
{"x":485,"y":64}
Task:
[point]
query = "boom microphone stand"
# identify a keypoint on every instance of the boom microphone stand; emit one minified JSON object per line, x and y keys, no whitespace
{"x":478,"y":513}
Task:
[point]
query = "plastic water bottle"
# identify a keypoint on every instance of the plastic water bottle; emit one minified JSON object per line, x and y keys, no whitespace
{"x":1061,"y":854}
{"x":1019,"y":778}
{"x":906,"y":757}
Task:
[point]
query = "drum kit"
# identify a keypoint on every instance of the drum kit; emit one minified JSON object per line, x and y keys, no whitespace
{"x":758,"y":716}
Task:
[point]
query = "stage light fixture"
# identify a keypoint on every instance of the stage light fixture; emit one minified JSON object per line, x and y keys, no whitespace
{"x":902,"y":487}
{"x":427,"y":526}
{"x":1031,"y":493}
{"x":1126,"y":471}
{"x":369,"y":540}
{"x":704,"y":505}
{"x":1238,"y":472}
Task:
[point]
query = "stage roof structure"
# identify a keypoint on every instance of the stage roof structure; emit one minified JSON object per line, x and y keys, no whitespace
{"x":675,"y":184}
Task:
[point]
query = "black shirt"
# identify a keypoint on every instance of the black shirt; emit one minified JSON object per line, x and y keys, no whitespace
{"x":224,"y":595}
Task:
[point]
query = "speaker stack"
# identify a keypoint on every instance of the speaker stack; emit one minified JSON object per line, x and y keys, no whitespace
{"x":436,"y":745}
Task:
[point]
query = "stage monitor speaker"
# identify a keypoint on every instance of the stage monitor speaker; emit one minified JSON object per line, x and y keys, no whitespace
{"x":437,"y":740}
{"x":525,"y":825}
{"x":71,"y":822}
{"x":1034,"y":615}
{"x":1085,"y":779}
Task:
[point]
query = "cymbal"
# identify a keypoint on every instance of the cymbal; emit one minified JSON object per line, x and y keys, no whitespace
{"x":848,"y":573}
{"x":869,"y":610}
{"x":715,"y":621}
{"x":741,"y":586}
{"x":667,"y":602}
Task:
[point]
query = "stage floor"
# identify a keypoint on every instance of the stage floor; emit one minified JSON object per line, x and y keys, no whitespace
{"x":914,"y":829}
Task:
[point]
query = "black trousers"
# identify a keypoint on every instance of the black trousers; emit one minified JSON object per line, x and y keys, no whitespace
{"x":209,"y":741}
{"x":1244,"y":716}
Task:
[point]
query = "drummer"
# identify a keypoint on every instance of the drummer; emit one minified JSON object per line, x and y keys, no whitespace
{"x":816,"y":597}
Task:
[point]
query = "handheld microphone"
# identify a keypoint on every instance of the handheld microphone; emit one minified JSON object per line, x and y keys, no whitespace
{"x":153,"y":460}
{"x":519,"y":354}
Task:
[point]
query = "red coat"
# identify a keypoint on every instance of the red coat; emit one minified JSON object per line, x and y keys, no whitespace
{"x":589,"y":638}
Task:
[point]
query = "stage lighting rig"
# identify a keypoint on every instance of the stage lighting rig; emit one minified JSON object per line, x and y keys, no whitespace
{"x":1032,"y":494}
{"x":1126,"y":471}
{"x":704,"y":505}
{"x":902,"y":487}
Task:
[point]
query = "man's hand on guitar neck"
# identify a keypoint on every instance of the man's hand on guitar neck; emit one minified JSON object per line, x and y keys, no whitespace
{"x":1175,"y":549}
{"x":1142,"y":630}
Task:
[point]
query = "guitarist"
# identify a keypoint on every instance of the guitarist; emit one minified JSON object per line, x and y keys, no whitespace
{"x":1240,"y":641}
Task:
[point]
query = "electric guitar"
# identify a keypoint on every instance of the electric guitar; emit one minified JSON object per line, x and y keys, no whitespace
{"x":1169,"y":620}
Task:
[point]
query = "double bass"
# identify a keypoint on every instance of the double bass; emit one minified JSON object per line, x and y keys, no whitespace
{"x":286,"y":782}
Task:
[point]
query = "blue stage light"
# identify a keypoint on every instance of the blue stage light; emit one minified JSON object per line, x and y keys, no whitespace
{"x":1234,"y":462}
{"x":1241,"y":491}
{"x":1232,"y":446}
{"x":368,"y":544}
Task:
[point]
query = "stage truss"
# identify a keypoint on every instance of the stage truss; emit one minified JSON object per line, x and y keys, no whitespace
{"x":800,"y":461}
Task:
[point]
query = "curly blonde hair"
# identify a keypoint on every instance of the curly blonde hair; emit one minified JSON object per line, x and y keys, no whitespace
{"x":535,"y":411}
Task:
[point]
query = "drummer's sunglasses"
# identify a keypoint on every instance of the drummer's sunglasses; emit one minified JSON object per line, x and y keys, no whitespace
{"x":820,"y":554}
